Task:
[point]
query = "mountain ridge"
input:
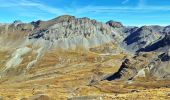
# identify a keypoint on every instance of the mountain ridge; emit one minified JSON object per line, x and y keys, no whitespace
{"x":69,"y":57}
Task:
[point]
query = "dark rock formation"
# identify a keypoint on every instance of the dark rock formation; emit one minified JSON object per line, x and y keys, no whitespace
{"x":114,"y":24}
{"x":119,"y":73}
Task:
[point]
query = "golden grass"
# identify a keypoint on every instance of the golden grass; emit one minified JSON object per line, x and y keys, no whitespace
{"x":63,"y":80}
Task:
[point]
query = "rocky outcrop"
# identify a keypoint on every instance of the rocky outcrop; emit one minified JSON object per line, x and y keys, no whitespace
{"x":119,"y":73}
{"x":166,"y":29}
{"x":115,"y":24}
{"x":144,"y":65}
{"x":17,"y":22}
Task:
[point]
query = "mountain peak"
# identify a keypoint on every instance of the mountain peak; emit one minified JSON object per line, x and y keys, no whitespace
{"x":114,"y":24}
{"x":63,"y":18}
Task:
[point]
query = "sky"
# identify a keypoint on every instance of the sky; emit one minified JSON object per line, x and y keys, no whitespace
{"x":129,"y":12}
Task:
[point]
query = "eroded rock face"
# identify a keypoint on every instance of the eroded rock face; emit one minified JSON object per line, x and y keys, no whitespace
{"x":70,"y":33}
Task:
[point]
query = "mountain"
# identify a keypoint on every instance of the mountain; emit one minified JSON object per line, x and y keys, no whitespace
{"x":163,"y":44}
{"x":81,"y":58}
{"x":142,"y":37}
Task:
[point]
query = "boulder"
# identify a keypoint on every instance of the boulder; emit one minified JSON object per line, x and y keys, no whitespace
{"x":39,"y":97}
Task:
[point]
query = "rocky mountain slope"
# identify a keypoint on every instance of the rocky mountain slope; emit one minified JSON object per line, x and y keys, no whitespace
{"x":83,"y":59}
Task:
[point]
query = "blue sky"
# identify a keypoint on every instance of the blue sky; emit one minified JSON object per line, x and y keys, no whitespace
{"x":129,"y":12}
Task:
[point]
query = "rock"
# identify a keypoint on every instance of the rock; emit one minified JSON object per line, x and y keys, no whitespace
{"x":85,"y":98}
{"x":135,"y":91}
{"x":40,"y":97}
{"x":114,"y":24}
{"x":24,"y":98}
{"x":1,"y":98}
{"x":141,"y":73}
{"x":164,"y":57}
{"x":167,"y":29}
{"x":36,"y":24}
{"x":17,"y":22}
{"x":168,"y":94}
{"x":120,"y":73}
